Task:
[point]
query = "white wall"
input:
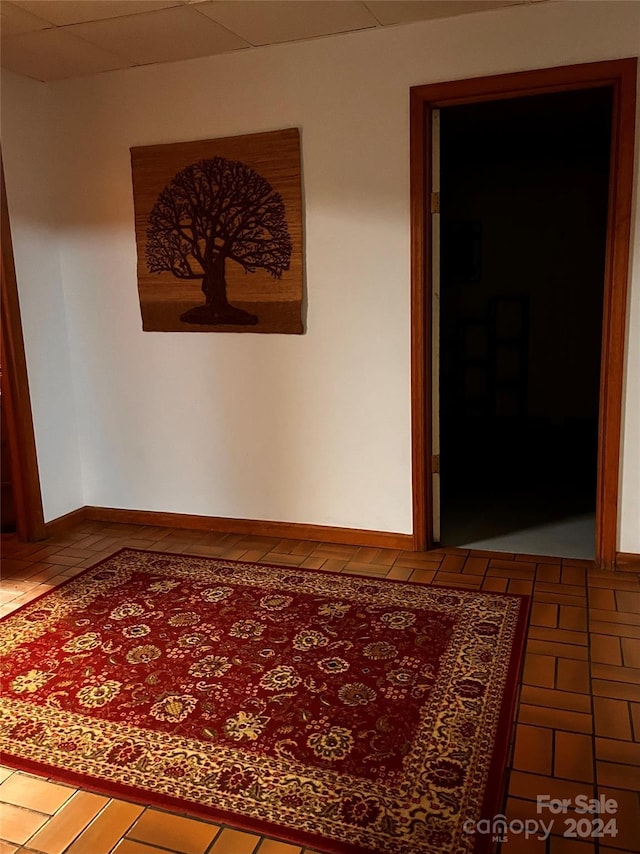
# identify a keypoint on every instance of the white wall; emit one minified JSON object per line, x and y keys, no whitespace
{"x":26,"y":141}
{"x":313,"y":428}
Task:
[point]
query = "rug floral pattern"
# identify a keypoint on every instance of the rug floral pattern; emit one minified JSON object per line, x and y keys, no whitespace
{"x":355,"y":710}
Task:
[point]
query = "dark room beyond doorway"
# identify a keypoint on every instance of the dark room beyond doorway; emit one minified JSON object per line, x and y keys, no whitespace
{"x":523,"y":201}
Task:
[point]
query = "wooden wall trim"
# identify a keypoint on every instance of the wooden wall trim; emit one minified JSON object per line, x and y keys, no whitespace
{"x":63,"y":523}
{"x":614,"y":325}
{"x":252,"y":527}
{"x":627,"y":562}
{"x":286,"y":530}
{"x":420,"y":330}
{"x":620,"y":75}
{"x":15,"y":392}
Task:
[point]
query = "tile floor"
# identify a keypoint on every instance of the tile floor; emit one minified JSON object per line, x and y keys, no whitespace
{"x":578,"y":718}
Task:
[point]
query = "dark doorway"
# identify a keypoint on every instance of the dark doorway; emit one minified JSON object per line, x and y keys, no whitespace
{"x":524,"y":201}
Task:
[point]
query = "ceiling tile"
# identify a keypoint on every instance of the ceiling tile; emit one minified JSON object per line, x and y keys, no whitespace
{"x":404,"y":11}
{"x":164,"y":36}
{"x":14,"y":21}
{"x":54,"y":54}
{"x":281,"y":21}
{"x":63,"y":12}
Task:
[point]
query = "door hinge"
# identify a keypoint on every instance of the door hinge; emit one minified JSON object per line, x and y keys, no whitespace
{"x":435,"y":203}
{"x":435,"y":464}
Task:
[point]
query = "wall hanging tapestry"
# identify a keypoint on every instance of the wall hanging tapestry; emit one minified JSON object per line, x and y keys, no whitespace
{"x":351,"y":714}
{"x":219,"y":234}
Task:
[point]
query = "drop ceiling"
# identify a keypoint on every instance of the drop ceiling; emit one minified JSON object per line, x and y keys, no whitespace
{"x":56,"y":39}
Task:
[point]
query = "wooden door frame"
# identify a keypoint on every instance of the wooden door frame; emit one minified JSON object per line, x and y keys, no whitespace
{"x":25,"y":478}
{"x":620,"y":76}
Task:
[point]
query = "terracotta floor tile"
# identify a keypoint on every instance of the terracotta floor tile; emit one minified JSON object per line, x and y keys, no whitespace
{"x":521,"y":567}
{"x":628,"y":618}
{"x":476,"y":565}
{"x":533,"y":749}
{"x":271,"y":846}
{"x":368,"y":569}
{"x":630,"y":652}
{"x":539,"y":670}
{"x":19,"y":824}
{"x":572,"y":574}
{"x":335,"y":551}
{"x":68,"y":823}
{"x":521,"y":586}
{"x":626,"y":600}
{"x":555,"y":718}
{"x":616,"y":674}
{"x":453,"y":563}
{"x":105,"y":831}
{"x":312,"y":562}
{"x":612,"y":750}
{"x":574,"y":592}
{"x":7,"y":847}
{"x":496,"y":585}
{"x":618,"y":775}
{"x":612,"y":718}
{"x":5,"y":772}
{"x":509,"y":569}
{"x":601,"y":598}
{"x":554,"y":699}
{"x":634,"y":709}
{"x":573,"y":757}
{"x":334,"y":565}
{"x":558,"y":635}
{"x":253,"y":555}
{"x":447,"y":579}
{"x":523,"y":845}
{"x":627,"y":818}
{"x":617,"y":690}
{"x":605,"y":649}
{"x":399,"y":573}
{"x":520,"y":809}
{"x":186,"y":835}
{"x":493,"y":555}
{"x":558,"y":598}
{"x":548,"y":572}
{"x":234,"y":842}
{"x":278,"y":559}
{"x":562,"y":845}
{"x":573,"y":618}
{"x":30,"y":792}
{"x":620,"y":630}
{"x":11,"y":585}
{"x":529,"y":786}
{"x":418,"y":559}
{"x":130,"y":846}
{"x":573,"y":676}
{"x":543,"y":614}
{"x":563,"y":650}
{"x":422,"y":576}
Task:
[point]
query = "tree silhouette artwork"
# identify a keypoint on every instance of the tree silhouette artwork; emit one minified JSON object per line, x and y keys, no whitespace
{"x":210,"y":212}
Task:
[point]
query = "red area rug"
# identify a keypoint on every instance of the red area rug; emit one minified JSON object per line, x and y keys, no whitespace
{"x":336,"y":711}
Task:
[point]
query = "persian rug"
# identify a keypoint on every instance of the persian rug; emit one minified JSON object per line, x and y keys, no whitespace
{"x":338,"y":711}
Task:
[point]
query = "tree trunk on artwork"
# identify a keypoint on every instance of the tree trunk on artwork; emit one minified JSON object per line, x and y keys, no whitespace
{"x":217,"y":309}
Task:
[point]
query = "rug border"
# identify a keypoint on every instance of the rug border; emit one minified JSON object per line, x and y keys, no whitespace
{"x":291,"y":568}
{"x":505,"y":729}
{"x":495,"y":784}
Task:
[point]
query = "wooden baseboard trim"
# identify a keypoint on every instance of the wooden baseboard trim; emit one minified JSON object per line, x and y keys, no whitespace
{"x":63,"y":523}
{"x":253,"y":527}
{"x":627,"y":562}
